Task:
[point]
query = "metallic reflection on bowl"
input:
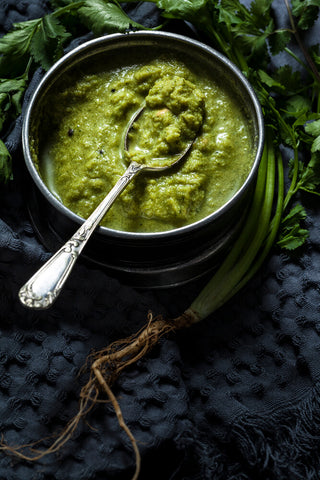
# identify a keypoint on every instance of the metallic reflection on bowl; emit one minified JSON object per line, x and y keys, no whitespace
{"x":147,"y":259}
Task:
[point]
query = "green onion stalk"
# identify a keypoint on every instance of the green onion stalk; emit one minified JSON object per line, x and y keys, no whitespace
{"x":255,"y":240}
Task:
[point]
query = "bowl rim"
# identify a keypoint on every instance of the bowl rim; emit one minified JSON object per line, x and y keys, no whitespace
{"x":88,"y":45}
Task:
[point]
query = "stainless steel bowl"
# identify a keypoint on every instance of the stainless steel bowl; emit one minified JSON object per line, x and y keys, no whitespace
{"x":146,"y":259}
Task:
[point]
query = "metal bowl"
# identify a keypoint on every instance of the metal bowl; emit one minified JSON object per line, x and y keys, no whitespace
{"x":146,"y":259}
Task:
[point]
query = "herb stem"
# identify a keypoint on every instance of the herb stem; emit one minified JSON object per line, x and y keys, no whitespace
{"x":293,"y":185}
{"x":298,"y":60}
{"x":302,"y":47}
{"x":221,"y":44}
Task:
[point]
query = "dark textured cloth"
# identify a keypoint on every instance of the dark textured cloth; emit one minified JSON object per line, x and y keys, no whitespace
{"x":236,"y":397}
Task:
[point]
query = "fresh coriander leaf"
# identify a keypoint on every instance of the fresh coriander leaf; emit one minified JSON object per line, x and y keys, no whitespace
{"x":292,"y":235}
{"x":313,"y":128}
{"x":186,"y":10}
{"x":198,"y":12}
{"x":315,"y":54}
{"x":260,"y":10}
{"x":301,"y":119}
{"x":46,"y":43}
{"x":4,"y":107}
{"x":233,"y":14}
{"x":309,"y":175}
{"x":16,"y":42}
{"x":316,"y":145}
{"x":16,"y":102}
{"x":256,"y":40}
{"x":253,"y":20}
{"x":278,"y":40}
{"x":272,"y":83}
{"x":53,"y":28}
{"x":229,"y":17}
{"x":306,"y":11}
{"x":8,"y":85}
{"x":11,"y":92}
{"x":103,"y":16}
{"x":289,"y":78}
{"x":298,"y":104}
{"x":5,"y":164}
{"x":295,"y":238}
{"x":14,"y":48}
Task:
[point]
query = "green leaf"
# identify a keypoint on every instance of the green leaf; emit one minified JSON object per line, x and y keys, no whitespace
{"x":306,"y":12}
{"x":5,"y":164}
{"x":260,"y":11}
{"x":309,"y":175}
{"x":298,"y":104}
{"x":8,"y":85}
{"x":313,"y":128}
{"x":256,"y":40}
{"x":46,"y":43}
{"x":272,"y":83}
{"x":16,"y":43}
{"x":198,"y":12}
{"x":186,"y":10}
{"x":292,"y":235}
{"x":315,"y":55}
{"x":11,"y":94}
{"x":14,"y":47}
{"x":316,"y":145}
{"x":278,"y":40}
{"x":289,"y":78}
{"x":103,"y":16}
{"x":229,"y":17}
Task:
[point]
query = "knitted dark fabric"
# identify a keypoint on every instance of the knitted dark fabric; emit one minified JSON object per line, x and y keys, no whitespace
{"x":236,"y":397}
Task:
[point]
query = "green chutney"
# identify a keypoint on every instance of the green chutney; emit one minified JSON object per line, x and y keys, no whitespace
{"x":78,"y":141}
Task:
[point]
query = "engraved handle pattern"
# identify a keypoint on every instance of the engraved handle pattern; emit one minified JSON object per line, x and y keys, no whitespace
{"x":45,"y":285}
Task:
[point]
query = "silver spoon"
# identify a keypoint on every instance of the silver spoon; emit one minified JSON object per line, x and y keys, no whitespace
{"x":45,"y":285}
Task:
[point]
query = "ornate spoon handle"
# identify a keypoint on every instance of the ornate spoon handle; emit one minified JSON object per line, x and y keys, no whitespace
{"x":45,"y":285}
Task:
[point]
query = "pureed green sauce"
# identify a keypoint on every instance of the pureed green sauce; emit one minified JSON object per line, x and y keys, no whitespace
{"x":81,"y":127}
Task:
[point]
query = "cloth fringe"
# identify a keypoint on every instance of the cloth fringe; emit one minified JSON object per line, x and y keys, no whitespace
{"x":281,"y":448}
